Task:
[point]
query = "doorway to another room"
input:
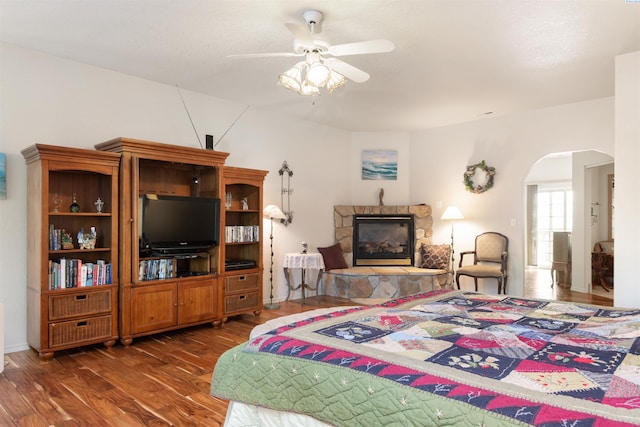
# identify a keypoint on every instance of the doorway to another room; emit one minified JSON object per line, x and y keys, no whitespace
{"x":555,"y":207}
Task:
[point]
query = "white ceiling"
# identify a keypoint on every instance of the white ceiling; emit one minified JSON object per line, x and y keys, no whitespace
{"x":455,"y":60}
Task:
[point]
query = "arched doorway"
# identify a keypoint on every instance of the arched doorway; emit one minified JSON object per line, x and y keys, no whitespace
{"x":566,"y":193}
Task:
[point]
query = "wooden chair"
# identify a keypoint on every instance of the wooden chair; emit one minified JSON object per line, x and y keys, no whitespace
{"x":599,"y":268}
{"x":606,"y":247}
{"x":489,"y":260}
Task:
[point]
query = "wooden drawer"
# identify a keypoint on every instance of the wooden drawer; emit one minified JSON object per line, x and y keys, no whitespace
{"x":79,"y":331}
{"x":243,"y":302}
{"x":79,"y":304}
{"x":241,"y":282}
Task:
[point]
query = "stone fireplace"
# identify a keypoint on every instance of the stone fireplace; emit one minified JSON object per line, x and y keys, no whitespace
{"x":383,"y":240}
{"x":389,"y":280}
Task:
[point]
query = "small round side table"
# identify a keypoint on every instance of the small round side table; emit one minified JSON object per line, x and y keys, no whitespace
{"x":304,"y":262}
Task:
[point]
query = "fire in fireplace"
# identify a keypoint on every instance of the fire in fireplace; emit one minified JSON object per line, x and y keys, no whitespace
{"x":380,"y":240}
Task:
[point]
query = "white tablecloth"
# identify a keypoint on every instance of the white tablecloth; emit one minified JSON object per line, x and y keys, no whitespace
{"x":312,"y":261}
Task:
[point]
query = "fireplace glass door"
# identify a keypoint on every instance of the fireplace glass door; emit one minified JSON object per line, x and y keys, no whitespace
{"x":383,"y":240}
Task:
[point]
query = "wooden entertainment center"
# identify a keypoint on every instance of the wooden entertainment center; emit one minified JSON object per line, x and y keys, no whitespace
{"x":140,"y":303}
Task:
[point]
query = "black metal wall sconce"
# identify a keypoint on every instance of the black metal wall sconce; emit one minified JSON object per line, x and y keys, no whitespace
{"x":285,"y":192}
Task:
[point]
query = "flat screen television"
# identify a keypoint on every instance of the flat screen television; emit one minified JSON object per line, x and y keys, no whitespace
{"x":179,"y":222}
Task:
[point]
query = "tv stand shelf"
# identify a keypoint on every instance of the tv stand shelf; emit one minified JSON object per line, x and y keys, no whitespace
{"x":177,"y":300}
{"x":166,"y":265}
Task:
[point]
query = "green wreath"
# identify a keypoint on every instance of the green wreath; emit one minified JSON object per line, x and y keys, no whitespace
{"x":471,"y":186}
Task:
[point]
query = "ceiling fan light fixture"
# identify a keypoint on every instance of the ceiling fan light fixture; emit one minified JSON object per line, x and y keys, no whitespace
{"x":335,"y":81}
{"x":292,"y":78}
{"x":318,"y":74}
{"x":309,"y":89}
{"x":316,"y":71}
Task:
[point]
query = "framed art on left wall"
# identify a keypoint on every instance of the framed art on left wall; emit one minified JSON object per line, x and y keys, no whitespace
{"x":3,"y":176}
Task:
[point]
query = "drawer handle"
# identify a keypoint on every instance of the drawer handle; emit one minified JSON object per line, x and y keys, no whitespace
{"x":243,"y":297}
{"x":81,"y":323}
{"x":242,"y":278}
{"x":81,"y":297}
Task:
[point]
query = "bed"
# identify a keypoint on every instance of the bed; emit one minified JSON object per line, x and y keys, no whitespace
{"x":439,"y":358}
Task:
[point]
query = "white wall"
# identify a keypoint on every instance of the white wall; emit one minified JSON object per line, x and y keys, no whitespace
{"x":512,"y":144}
{"x":627,"y":144}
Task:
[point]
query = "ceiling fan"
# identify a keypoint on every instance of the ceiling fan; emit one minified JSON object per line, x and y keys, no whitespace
{"x":321,"y":67}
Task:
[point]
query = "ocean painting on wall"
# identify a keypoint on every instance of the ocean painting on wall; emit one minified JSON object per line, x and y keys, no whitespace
{"x":380,"y":165}
{"x":3,"y":176}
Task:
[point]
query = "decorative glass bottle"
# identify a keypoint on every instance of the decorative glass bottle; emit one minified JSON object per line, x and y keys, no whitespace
{"x":75,"y":207}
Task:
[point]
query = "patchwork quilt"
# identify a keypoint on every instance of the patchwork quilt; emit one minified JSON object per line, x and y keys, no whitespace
{"x":446,"y":358}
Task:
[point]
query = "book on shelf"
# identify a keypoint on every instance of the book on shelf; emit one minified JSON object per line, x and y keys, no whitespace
{"x":157,"y":269}
{"x":74,"y":273}
{"x":242,"y":233}
{"x":56,"y":238}
{"x":89,"y":278}
{"x":83,"y":275}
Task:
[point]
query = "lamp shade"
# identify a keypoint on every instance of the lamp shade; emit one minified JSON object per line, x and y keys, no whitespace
{"x":292,"y":78}
{"x":318,"y":74}
{"x":451,"y":213}
{"x":308,"y":89}
{"x":273,"y":212}
{"x":335,"y":81}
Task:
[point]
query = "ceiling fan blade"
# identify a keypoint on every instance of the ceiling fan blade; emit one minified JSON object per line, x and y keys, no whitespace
{"x":264,"y":55}
{"x":359,"y":48}
{"x":349,"y":71}
{"x":301,"y":34}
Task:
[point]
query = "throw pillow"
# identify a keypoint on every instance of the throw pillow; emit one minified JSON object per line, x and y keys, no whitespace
{"x":435,"y":256}
{"x":333,"y":257}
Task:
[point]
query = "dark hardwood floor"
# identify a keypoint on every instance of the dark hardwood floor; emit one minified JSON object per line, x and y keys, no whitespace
{"x":159,"y":380}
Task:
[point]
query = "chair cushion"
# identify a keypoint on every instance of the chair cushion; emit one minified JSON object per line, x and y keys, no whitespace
{"x":435,"y":256}
{"x":333,"y":257}
{"x":480,"y":270}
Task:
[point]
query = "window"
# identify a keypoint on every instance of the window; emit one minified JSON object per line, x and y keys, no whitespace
{"x":554,"y":213}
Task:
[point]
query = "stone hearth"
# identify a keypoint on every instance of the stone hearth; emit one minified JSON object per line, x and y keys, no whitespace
{"x":382,"y":282}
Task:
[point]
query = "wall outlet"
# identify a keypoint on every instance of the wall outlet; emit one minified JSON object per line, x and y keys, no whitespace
{"x":513,"y":222}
